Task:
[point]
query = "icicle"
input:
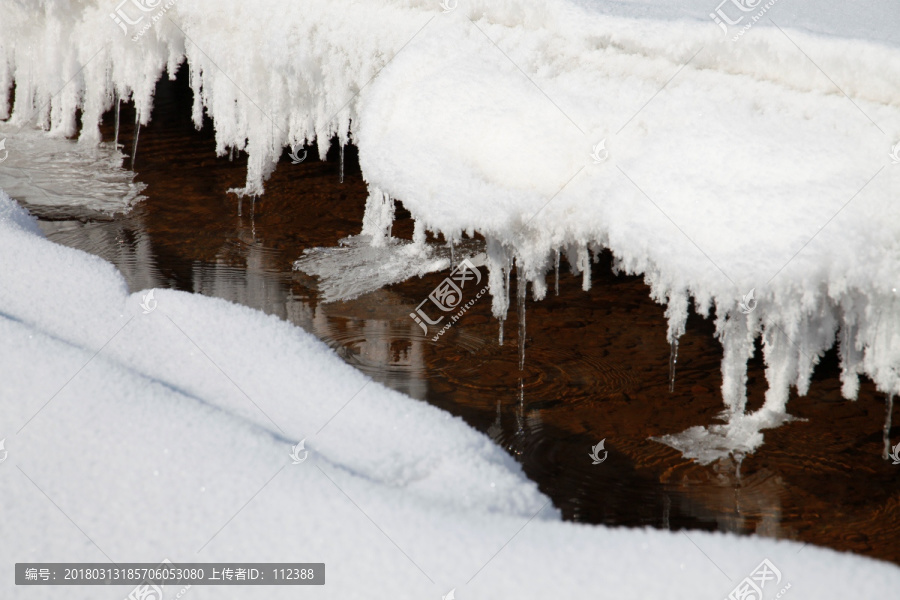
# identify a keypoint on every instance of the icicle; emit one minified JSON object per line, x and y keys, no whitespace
{"x":231,"y":154}
{"x":118,"y":109}
{"x":888,"y":409}
{"x":378,"y":218}
{"x":584,"y":264}
{"x":137,"y":132}
{"x":240,"y":205}
{"x":673,"y":360}
{"x":737,"y":346}
{"x":452,"y":254}
{"x":419,"y":235}
{"x":342,"y":163}
{"x":557,"y":273}
{"x":498,"y":280}
{"x":521,"y":289}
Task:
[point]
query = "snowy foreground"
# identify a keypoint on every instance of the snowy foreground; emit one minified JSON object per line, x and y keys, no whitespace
{"x":753,"y":162}
{"x":138,"y":436}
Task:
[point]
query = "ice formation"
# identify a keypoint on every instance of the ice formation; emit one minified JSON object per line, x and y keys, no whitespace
{"x":711,"y":167}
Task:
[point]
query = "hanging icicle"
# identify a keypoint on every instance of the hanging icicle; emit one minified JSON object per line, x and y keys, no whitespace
{"x":584,"y":265}
{"x":452,"y":254}
{"x":556,"y":287}
{"x":378,"y":218}
{"x":342,"y":163}
{"x":888,"y":409}
{"x":673,"y":361}
{"x":521,"y":289}
{"x":498,"y":280}
{"x":137,"y":132}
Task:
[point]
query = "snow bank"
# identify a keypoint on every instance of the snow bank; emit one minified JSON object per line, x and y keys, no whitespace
{"x":135,"y":436}
{"x":723,"y":168}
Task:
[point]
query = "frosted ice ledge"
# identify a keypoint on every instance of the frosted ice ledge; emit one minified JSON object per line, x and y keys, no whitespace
{"x":724,"y":167}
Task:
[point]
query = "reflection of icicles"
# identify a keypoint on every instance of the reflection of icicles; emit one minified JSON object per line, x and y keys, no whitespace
{"x":521,"y":289}
{"x":673,"y":360}
{"x":667,"y":508}
{"x":342,"y":163}
{"x":517,"y":446}
{"x":739,"y":460}
{"x":556,"y":287}
{"x":118,"y":110}
{"x":888,"y":409}
{"x":495,"y":431}
{"x":501,"y":332}
{"x":137,"y":132}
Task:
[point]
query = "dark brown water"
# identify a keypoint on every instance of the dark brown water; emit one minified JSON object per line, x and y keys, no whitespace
{"x":596,"y":362}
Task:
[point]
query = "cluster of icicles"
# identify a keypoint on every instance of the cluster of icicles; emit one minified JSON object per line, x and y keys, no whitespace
{"x":793,"y":341}
{"x":794,"y":331}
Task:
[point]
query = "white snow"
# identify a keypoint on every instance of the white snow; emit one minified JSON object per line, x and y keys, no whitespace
{"x":136,"y":436}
